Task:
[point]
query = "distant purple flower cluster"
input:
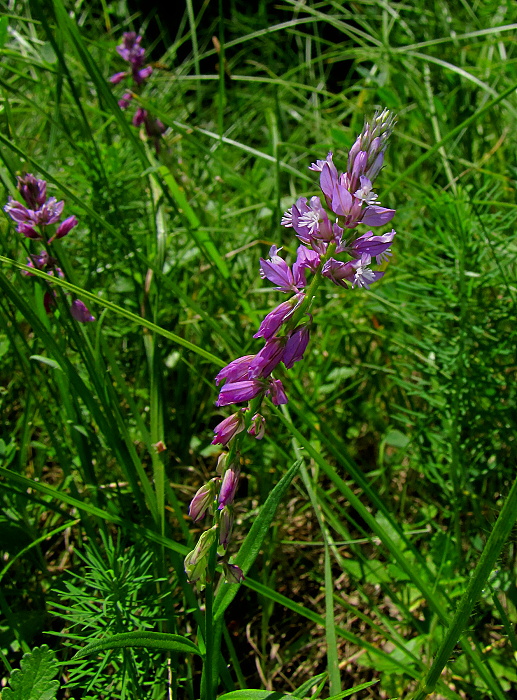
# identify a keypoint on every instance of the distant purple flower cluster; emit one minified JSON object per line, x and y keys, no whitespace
{"x":131,"y":51}
{"x":350,"y":198}
{"x":32,"y":219}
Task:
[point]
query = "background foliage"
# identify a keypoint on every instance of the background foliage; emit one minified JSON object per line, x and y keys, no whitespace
{"x":403,"y":412}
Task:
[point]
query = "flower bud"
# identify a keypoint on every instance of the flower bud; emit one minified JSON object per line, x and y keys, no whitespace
{"x":227,"y":428}
{"x":65,"y":227}
{"x":225,"y":527}
{"x":257,"y":427}
{"x":80,"y":312}
{"x":196,"y":561}
{"x":232,"y":573}
{"x":229,"y":486}
{"x":221,"y":463}
{"x":202,"y":501}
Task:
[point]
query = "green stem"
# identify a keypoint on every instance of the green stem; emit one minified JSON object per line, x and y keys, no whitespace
{"x":311,"y":290}
{"x":498,"y":536}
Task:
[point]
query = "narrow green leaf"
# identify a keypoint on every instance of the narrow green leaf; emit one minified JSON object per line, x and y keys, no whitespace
{"x":351,"y":691}
{"x":142,"y":640}
{"x":251,"y":694}
{"x":4,"y":23}
{"x":46,"y":361}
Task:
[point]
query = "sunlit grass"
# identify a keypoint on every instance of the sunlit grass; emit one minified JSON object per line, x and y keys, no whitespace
{"x":401,"y":418}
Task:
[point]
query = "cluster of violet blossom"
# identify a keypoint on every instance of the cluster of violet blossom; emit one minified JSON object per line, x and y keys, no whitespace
{"x":32,"y":220}
{"x":350,"y":198}
{"x":131,"y":51}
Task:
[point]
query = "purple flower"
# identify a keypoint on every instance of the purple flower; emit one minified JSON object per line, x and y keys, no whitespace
{"x":373,"y":141}
{"x":125,"y":100}
{"x":236,"y":370}
{"x":296,"y":346}
{"x":227,"y":428}
{"x":310,"y":221}
{"x":236,"y":392}
{"x":139,"y":117}
{"x":278,"y":316}
{"x":17,"y":211}
{"x":29,"y":232}
{"x":276,"y":270}
{"x":48,"y":213}
{"x":268,"y":358}
{"x":33,"y":191}
{"x":377,"y":216}
{"x":257,"y":428}
{"x":320,"y":164}
{"x":202,"y":501}
{"x":328,"y":180}
{"x":277,"y":392}
{"x":229,"y":486}
{"x":65,"y":227}
{"x":80,"y":312}
{"x":365,"y":192}
{"x":115,"y":79}
{"x":355,"y":272}
{"x":142,"y":74}
{"x":375,"y":246}
{"x":130,"y":49}
{"x":306,"y":259}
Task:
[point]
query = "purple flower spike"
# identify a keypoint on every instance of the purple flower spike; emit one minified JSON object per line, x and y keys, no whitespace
{"x":268,"y":358}
{"x":257,"y":428}
{"x":229,"y":486}
{"x":236,"y":370}
{"x":80,"y":312}
{"x":204,"y":498}
{"x":296,"y":346}
{"x":239,"y":391}
{"x":228,"y":428}
{"x":278,"y":316}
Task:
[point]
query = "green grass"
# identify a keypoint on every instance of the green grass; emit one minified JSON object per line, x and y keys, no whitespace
{"x":384,"y":554}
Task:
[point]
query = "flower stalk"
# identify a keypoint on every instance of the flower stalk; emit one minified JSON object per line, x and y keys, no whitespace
{"x":286,"y":329}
